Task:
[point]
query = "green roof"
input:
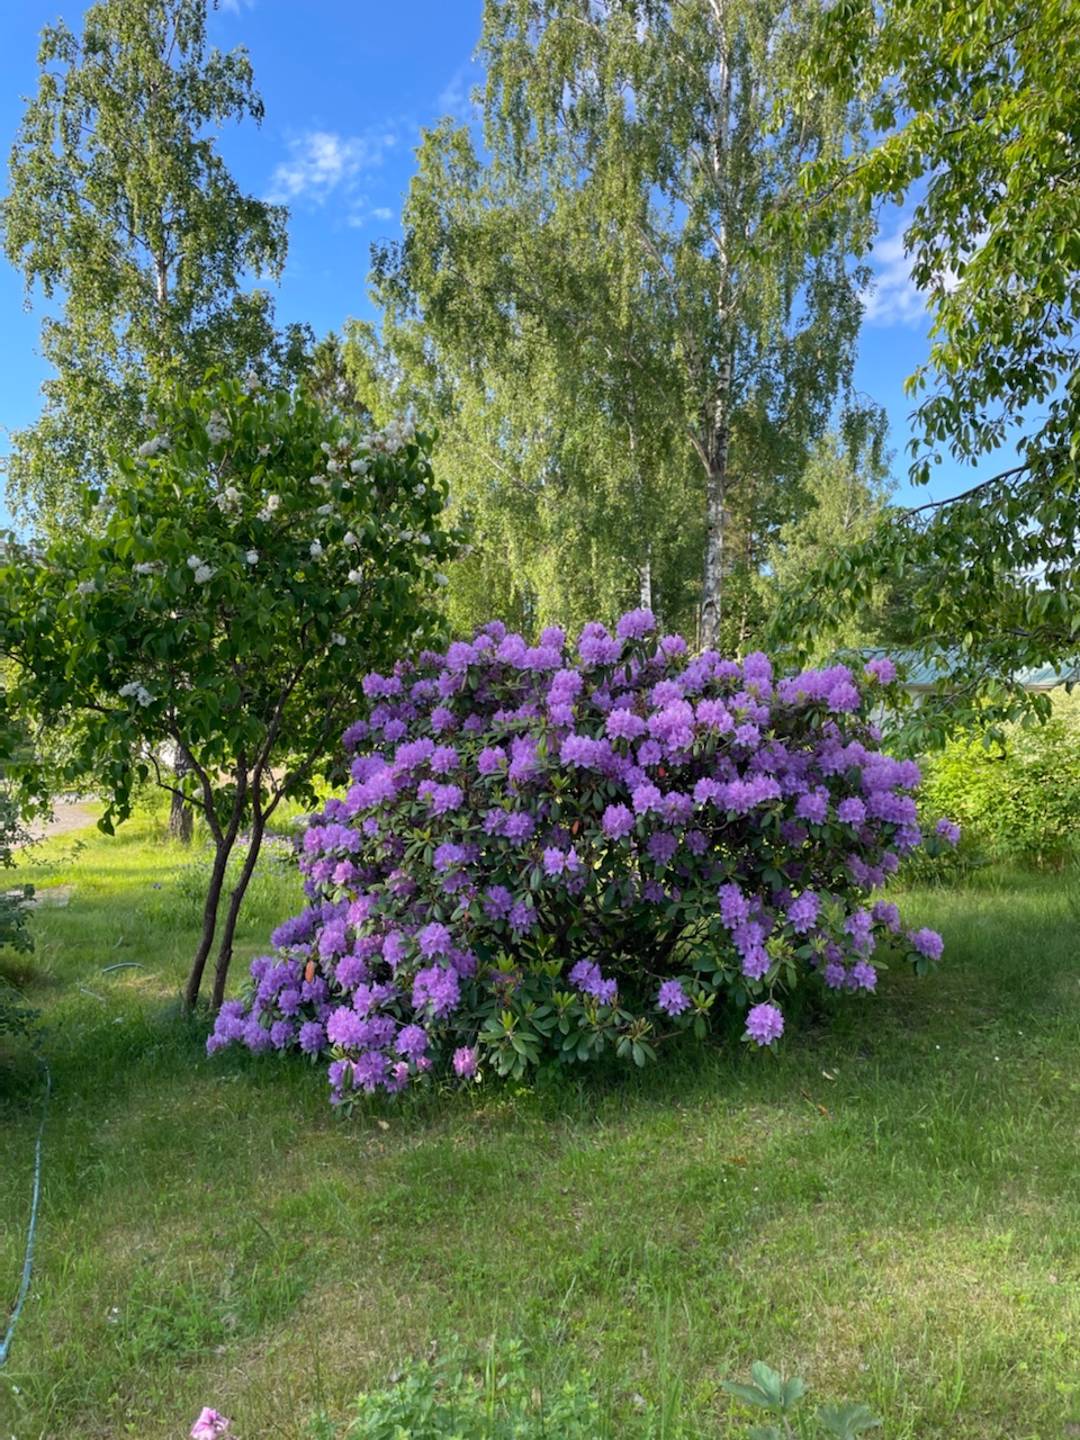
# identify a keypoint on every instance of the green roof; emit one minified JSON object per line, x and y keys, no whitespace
{"x":919,"y":673}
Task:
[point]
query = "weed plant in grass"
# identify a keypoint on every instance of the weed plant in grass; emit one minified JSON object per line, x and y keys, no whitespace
{"x":888,"y":1207}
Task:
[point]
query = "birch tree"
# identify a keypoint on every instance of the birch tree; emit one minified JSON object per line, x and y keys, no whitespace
{"x":123,"y":215}
{"x":655,"y":124}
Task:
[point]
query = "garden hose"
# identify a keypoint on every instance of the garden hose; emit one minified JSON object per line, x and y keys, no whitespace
{"x":31,"y":1229}
{"x":28,"y":1261}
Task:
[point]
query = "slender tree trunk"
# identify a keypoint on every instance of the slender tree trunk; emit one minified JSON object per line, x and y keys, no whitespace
{"x":210,"y":914}
{"x":645,"y":581}
{"x":711,"y":593}
{"x":717,"y":427}
{"x":236,"y":897}
{"x":181,"y":816}
{"x":716,"y":476}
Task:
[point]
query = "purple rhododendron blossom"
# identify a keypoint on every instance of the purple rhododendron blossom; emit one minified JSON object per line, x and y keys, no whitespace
{"x":927,"y":942}
{"x":465,"y":1061}
{"x":618,"y":821}
{"x":882,"y":669}
{"x":312,"y":1037}
{"x":887,"y":914}
{"x":624,"y":725}
{"x":498,"y":902}
{"x":864,"y":975}
{"x":434,"y":939}
{"x":438,"y":987}
{"x":672,"y":999}
{"x":734,"y":906}
{"x":519,"y":827}
{"x":645,"y":798}
{"x":635,"y":625}
{"x":802,"y":912}
{"x":412,"y":1041}
{"x":851,"y":811}
{"x":522,"y":917}
{"x":764,"y":1023}
{"x":813,"y":806}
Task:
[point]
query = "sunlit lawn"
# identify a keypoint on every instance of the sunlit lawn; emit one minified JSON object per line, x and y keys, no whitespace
{"x":891,"y":1207}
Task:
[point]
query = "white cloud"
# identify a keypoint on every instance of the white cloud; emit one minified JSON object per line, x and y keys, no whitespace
{"x":360,"y":216}
{"x":322,"y":161}
{"x":455,"y":98}
{"x":235,"y":7}
{"x":892,"y":297}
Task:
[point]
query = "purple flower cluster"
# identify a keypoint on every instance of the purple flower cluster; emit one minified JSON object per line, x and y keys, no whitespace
{"x":527,"y":828}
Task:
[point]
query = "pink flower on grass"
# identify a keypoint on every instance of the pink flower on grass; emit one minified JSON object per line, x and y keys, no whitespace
{"x":209,"y":1425}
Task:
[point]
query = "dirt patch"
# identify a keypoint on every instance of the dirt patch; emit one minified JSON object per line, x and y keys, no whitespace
{"x":68,"y":816}
{"x":53,"y":895}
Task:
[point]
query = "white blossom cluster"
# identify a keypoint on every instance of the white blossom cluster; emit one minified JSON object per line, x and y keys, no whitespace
{"x":393,"y":437}
{"x":341,"y":459}
{"x":338,"y":462}
{"x":202,"y":571}
{"x":135,"y":691}
{"x":228,"y":500}
{"x":154,"y":446}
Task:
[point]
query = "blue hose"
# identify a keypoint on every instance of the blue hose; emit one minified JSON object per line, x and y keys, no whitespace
{"x":28,"y":1262}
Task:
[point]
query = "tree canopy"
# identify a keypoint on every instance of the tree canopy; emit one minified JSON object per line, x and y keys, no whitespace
{"x":122,"y":211}
{"x":630,"y":364}
{"x":977,"y":118}
{"x":250,"y":562}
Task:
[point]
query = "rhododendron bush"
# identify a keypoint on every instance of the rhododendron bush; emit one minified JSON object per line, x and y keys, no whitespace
{"x":547,"y":852}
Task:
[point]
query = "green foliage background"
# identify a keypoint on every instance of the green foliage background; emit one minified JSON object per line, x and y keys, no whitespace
{"x":1018,"y":798}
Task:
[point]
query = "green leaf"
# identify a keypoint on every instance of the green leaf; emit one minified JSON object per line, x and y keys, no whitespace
{"x":749,"y":1394}
{"x":767,"y":1380}
{"x":847,"y":1421}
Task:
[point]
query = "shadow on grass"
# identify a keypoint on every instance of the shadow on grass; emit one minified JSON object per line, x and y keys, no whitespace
{"x":985,"y":981}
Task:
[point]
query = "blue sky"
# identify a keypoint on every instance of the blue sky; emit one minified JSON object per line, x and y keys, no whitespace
{"x":347,"y":88}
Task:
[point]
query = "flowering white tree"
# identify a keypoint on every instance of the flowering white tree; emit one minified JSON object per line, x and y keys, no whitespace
{"x":245,"y":568}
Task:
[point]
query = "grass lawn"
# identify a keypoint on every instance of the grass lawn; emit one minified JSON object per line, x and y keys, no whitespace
{"x":890,"y":1207}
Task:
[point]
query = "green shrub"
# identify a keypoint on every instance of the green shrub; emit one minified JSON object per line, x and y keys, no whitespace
{"x":457,"y":1397}
{"x":1019,"y":800}
{"x":15,"y":1016}
{"x":452,"y":1399}
{"x":768,"y":1391}
{"x":13,"y":899}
